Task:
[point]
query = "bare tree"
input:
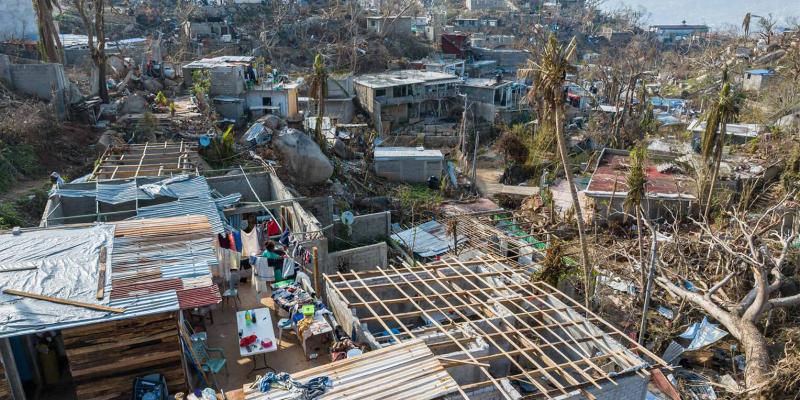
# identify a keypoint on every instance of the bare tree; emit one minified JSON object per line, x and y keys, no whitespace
{"x":48,"y":35}
{"x":751,"y":256}
{"x":92,"y":17}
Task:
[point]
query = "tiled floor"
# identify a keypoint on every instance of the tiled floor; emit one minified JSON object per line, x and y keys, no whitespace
{"x":223,"y":334}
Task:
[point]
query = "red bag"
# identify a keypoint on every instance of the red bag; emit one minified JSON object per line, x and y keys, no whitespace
{"x":247,"y":340}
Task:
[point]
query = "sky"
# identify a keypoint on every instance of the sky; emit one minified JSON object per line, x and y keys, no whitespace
{"x":715,"y":13}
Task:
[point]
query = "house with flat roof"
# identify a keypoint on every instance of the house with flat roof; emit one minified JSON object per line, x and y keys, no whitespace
{"x":390,"y":25}
{"x":736,"y":133}
{"x":671,"y":33}
{"x":493,"y":97}
{"x":239,"y":89}
{"x":408,"y":164}
{"x":757,"y":79}
{"x":394,"y":98}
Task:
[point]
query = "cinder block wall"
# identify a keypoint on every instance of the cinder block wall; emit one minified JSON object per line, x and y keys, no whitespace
{"x":18,"y":20}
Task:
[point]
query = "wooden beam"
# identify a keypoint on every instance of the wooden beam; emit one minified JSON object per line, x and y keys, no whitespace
{"x":52,"y":299}
{"x":101,"y":273}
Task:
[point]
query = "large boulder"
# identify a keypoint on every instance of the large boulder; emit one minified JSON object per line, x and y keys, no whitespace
{"x":303,"y":157}
{"x":133,"y":104}
{"x":152,"y":85}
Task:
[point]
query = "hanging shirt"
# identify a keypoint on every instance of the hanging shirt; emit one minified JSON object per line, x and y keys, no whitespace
{"x":250,"y":245}
{"x":237,"y":239}
{"x":231,"y":242}
{"x":273,"y":229}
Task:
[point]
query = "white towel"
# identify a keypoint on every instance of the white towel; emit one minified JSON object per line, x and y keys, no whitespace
{"x":263,"y":274}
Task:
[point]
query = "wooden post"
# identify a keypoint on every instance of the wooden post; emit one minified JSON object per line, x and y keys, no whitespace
{"x":315,"y":255}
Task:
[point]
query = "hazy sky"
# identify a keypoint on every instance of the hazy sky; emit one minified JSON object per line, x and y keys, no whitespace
{"x":715,"y":13}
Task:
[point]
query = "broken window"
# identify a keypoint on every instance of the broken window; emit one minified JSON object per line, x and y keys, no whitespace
{"x":380,"y":92}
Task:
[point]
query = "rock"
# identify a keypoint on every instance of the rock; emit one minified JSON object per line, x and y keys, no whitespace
{"x":342,"y":150}
{"x":789,"y":122}
{"x":109,"y":138}
{"x":170,"y":83}
{"x":152,"y":85}
{"x":303,"y":157}
{"x":133,"y":104}
{"x":273,"y":122}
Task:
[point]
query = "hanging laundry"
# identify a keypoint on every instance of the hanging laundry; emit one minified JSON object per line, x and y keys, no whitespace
{"x":223,"y":241}
{"x":272,"y":228}
{"x":250,"y":245}
{"x":263,"y":274}
{"x":285,"y":237}
{"x":237,"y":239}
{"x":231,"y":242}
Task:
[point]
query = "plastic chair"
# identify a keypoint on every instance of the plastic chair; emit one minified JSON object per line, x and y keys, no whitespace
{"x":207,"y":362}
{"x":232,"y":292}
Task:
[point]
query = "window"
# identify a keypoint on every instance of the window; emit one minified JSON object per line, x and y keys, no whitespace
{"x":266,"y":101}
{"x":380,"y":92}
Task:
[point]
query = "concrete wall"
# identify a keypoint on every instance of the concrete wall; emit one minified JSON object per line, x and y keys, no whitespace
{"x":367,"y":228}
{"x":363,"y":258}
{"x":341,"y":109}
{"x":227,"y":81}
{"x":43,"y":81}
{"x":18,"y":20}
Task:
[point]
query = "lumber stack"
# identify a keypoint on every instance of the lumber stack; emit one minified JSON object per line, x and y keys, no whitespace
{"x":105,"y":358}
{"x":5,"y":390}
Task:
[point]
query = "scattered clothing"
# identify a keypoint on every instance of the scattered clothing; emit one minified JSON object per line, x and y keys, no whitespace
{"x":237,"y":239}
{"x":273,"y":229}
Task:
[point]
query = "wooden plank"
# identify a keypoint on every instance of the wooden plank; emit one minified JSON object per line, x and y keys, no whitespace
{"x":52,"y":299}
{"x":101,"y":273}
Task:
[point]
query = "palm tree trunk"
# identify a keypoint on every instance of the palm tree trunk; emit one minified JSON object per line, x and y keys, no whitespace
{"x":715,"y":172}
{"x":562,"y":151}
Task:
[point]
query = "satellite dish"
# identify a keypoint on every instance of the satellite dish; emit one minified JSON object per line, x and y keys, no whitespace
{"x":347,"y":218}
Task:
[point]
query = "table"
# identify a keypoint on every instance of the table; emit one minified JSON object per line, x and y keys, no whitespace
{"x":264,"y":331}
{"x":319,"y":328}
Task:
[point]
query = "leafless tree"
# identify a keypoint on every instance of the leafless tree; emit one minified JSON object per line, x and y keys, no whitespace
{"x":48,"y":35}
{"x":92,"y":17}
{"x":750,"y":256}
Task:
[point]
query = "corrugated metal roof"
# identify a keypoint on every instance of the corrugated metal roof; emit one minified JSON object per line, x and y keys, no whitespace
{"x":427,"y":240}
{"x":407,"y":152}
{"x":376,"y":375}
{"x":149,"y":263}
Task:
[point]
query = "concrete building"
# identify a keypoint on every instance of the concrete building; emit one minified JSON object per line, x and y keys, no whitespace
{"x":408,"y":164}
{"x":669,"y":191}
{"x":671,"y":33}
{"x":736,"y":133}
{"x":18,"y":20}
{"x":508,"y":60}
{"x":392,"y":25}
{"x":273,"y":98}
{"x":491,"y":41}
{"x":396,"y":97}
{"x":493,"y":98}
{"x":484,"y":5}
{"x":238,"y":89}
{"x":757,"y":79}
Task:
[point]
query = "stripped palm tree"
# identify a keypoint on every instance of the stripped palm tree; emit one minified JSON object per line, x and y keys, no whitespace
{"x":636,"y":182}
{"x":318,"y":89}
{"x":720,"y":115}
{"x":548,"y":76}
{"x":746,"y":24}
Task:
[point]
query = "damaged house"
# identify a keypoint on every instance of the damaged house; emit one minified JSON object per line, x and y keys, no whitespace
{"x":397,"y":98}
{"x":238,"y":89}
{"x":669,"y":191}
{"x":496,"y":334}
{"x":494,"y":98}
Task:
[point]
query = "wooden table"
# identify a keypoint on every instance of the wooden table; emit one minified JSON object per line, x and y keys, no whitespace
{"x":264,"y":331}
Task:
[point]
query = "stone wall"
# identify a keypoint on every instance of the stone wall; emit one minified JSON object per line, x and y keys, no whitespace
{"x":43,"y":81}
